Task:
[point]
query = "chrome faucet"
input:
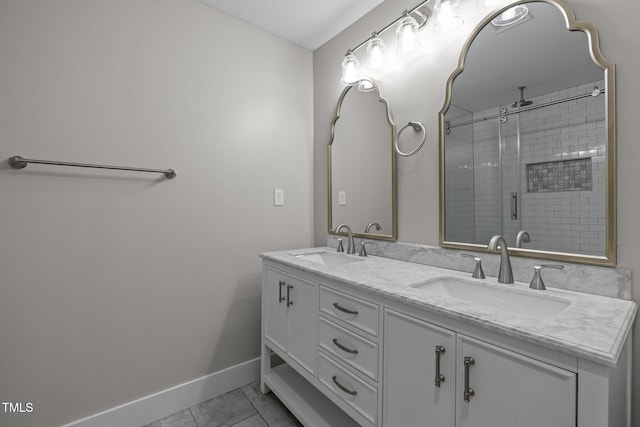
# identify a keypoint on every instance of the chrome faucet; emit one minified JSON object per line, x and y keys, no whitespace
{"x":373,"y":224}
{"x":537,"y":282}
{"x":522,"y":237}
{"x":363,"y":249}
{"x":478,"y":273}
{"x":506,"y":274}
{"x":351,"y":247}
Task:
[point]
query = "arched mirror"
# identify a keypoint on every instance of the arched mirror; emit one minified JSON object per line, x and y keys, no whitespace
{"x":362,"y":164}
{"x":527,"y":138}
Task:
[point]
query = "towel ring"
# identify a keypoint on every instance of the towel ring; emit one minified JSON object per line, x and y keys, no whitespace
{"x":418,"y":127}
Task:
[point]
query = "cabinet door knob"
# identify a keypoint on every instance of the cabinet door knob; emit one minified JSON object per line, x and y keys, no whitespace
{"x":280,"y":285}
{"x":343,"y":388}
{"x":468,"y":391}
{"x":439,"y":377}
{"x":289,"y":301}
{"x":344,"y":310}
{"x":343,"y":348}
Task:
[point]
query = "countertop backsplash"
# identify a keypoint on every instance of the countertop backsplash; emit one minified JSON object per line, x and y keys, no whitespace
{"x":612,"y":282}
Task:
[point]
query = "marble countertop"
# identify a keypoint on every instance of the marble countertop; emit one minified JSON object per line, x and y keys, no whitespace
{"x":592,"y":327}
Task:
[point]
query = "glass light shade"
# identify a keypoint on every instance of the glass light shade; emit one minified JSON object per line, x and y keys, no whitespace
{"x":446,"y":18}
{"x":350,"y":72}
{"x":375,"y":49}
{"x":407,"y":33}
{"x":511,"y":16}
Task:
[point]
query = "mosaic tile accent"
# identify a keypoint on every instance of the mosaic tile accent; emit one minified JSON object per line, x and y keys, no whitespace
{"x":562,"y":175}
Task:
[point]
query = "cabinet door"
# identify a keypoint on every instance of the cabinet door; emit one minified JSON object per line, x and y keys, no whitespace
{"x":410,"y":395}
{"x":302,"y":299}
{"x":510,"y":389}
{"x":275,"y":306}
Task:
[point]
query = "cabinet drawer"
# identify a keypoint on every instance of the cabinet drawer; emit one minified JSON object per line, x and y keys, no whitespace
{"x":354,"y":311}
{"x":352,"y":349}
{"x":354,"y":391}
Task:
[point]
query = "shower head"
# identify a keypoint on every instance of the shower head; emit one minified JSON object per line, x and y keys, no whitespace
{"x":521,"y":103}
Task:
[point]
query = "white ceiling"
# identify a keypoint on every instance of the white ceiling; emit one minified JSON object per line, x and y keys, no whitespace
{"x":308,"y":23}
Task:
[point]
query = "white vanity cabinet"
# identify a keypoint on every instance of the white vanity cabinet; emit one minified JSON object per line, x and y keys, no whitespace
{"x":290,"y":330}
{"x":358,"y":356}
{"x":509,"y":389}
{"x":479,"y":384}
{"x":417,"y":353}
{"x":289,"y":318}
{"x":349,"y":353}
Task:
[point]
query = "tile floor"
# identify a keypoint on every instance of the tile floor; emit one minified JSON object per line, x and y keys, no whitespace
{"x":242,"y":407}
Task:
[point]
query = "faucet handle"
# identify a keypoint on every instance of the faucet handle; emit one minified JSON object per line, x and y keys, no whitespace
{"x":363,"y":250}
{"x":478,"y":273}
{"x":340,"y":247}
{"x":537,"y":282}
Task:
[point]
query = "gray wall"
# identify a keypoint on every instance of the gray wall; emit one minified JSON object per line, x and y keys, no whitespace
{"x":417,"y":93}
{"x":116,"y":285}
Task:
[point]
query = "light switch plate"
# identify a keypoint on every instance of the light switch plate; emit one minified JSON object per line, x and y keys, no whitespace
{"x":278,"y":197}
{"x":342,"y":198}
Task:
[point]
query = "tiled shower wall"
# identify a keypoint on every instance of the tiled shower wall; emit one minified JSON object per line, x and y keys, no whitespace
{"x":570,"y":220}
{"x":567,"y":221}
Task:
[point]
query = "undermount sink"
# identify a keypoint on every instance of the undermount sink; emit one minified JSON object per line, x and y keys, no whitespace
{"x":327,"y":258}
{"x":517,"y":301}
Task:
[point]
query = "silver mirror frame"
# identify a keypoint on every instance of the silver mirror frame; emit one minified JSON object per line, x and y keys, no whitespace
{"x":610,"y":257}
{"x":394,"y":191}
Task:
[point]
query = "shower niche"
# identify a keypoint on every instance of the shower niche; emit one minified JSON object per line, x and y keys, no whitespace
{"x":527,"y":139}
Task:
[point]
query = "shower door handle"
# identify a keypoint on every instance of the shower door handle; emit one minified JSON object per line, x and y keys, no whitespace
{"x":514,"y":205}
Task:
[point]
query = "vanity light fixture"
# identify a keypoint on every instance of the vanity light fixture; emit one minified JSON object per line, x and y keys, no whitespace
{"x":446,"y":18}
{"x":409,"y":24}
{"x":375,"y":50}
{"x":350,"y":69}
{"x":407,"y":33}
{"x":511,"y":16}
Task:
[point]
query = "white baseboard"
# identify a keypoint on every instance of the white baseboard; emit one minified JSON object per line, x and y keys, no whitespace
{"x":150,"y":408}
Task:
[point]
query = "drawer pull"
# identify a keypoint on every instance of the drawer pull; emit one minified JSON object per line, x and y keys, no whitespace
{"x":289,"y":301}
{"x":344,"y":310}
{"x":343,"y":348}
{"x":439,"y":377}
{"x":343,"y":388}
{"x":280,"y":285}
{"x":468,"y":391}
